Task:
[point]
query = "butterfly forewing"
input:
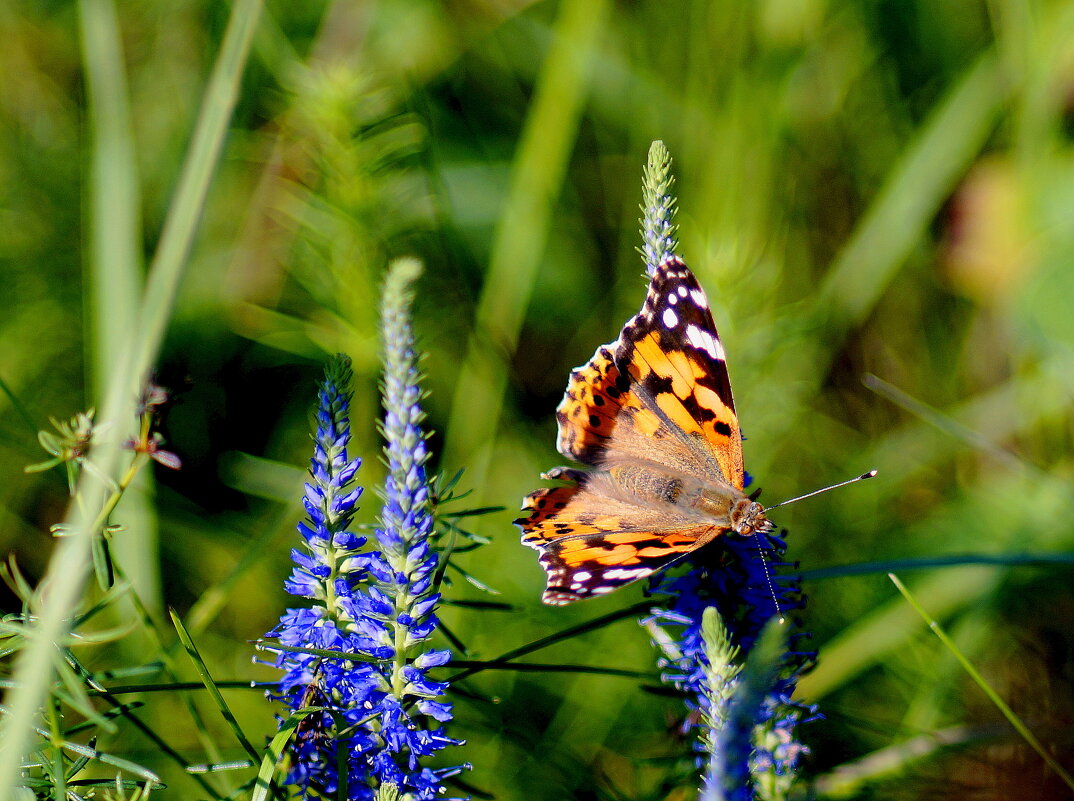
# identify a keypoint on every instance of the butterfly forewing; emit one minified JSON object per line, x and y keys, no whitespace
{"x":675,"y":360}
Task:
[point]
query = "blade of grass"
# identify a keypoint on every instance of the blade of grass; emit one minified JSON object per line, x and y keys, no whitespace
{"x":215,"y":597}
{"x":850,"y":779}
{"x":184,"y":686}
{"x":946,"y":424}
{"x":918,"y":185}
{"x":153,"y":737}
{"x":537,"y":177}
{"x":1038,"y":396}
{"x":559,"y":636}
{"x":273,"y":755}
{"x":974,"y":674}
{"x":886,"y":628}
{"x":972,"y":437}
{"x":18,"y":406}
{"x":897,"y":219}
{"x":154,"y":636}
{"x":69,"y":564}
{"x":535,"y":667}
{"x":211,"y":686}
{"x":127,"y":711}
{"x":219,"y":767}
{"x":113,"y":263}
{"x":109,"y":759}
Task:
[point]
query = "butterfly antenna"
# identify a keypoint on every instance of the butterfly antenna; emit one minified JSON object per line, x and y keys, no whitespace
{"x":768,"y":577}
{"x":862,"y":477}
{"x":760,"y":550}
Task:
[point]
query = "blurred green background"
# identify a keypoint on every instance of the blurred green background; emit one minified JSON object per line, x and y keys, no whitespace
{"x":878,"y":197}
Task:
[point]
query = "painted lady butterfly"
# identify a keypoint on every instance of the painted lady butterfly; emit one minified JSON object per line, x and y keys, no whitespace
{"x":652,"y":415}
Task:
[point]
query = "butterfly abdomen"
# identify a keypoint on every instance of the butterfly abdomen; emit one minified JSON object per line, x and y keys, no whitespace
{"x":643,"y":484}
{"x":649,"y":486}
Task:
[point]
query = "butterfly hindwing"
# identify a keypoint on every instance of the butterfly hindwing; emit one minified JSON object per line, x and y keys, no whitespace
{"x":596,"y":564}
{"x":590,"y":544}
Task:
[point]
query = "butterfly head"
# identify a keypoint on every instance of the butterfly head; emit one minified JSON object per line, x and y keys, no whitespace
{"x":748,"y":517}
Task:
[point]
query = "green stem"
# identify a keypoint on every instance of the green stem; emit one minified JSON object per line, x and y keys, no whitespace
{"x":398,"y":682}
{"x":112,"y":501}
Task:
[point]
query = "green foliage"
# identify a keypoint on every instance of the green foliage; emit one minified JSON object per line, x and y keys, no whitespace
{"x":878,"y":198}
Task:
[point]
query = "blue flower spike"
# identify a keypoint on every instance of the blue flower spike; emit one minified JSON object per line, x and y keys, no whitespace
{"x":731,"y":577}
{"x":377,"y":715}
{"x":735,"y":709}
{"x":402,"y":572}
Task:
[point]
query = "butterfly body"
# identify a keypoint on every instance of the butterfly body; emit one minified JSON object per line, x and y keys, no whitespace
{"x":652,"y":416}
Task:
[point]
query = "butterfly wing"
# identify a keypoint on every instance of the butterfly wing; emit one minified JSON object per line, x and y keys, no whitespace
{"x":660,"y":393}
{"x":657,"y":400}
{"x":590,"y":544}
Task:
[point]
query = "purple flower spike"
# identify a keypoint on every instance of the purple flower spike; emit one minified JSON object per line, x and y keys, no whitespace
{"x":384,"y":715}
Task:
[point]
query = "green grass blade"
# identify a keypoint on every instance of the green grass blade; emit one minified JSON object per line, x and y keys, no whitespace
{"x":113,"y":258}
{"x":18,"y":405}
{"x":208,"y":141}
{"x":113,"y":262}
{"x":216,"y":597}
{"x":560,"y":636}
{"x":887,"y":628}
{"x":928,"y":562}
{"x":109,"y":759}
{"x":974,"y":674}
{"x":918,"y":185}
{"x":851,"y":779}
{"x":68,"y":567}
{"x":273,"y":755}
{"x":210,"y":685}
{"x":897,"y":220}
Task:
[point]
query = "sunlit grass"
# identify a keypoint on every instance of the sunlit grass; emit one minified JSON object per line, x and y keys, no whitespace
{"x":878,"y":198}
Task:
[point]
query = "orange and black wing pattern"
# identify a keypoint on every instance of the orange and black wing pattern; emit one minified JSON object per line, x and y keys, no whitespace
{"x":675,"y":363}
{"x":658,"y":399}
{"x":590,"y":545}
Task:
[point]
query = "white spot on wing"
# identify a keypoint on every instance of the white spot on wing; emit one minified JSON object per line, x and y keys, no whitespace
{"x":682,"y":292}
{"x":673,"y":299}
{"x":703,"y":340}
{"x":699,"y":298}
{"x":582,"y":576}
{"x":670,"y":318}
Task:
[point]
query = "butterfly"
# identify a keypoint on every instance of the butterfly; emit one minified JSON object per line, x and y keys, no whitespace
{"x":652,"y":418}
